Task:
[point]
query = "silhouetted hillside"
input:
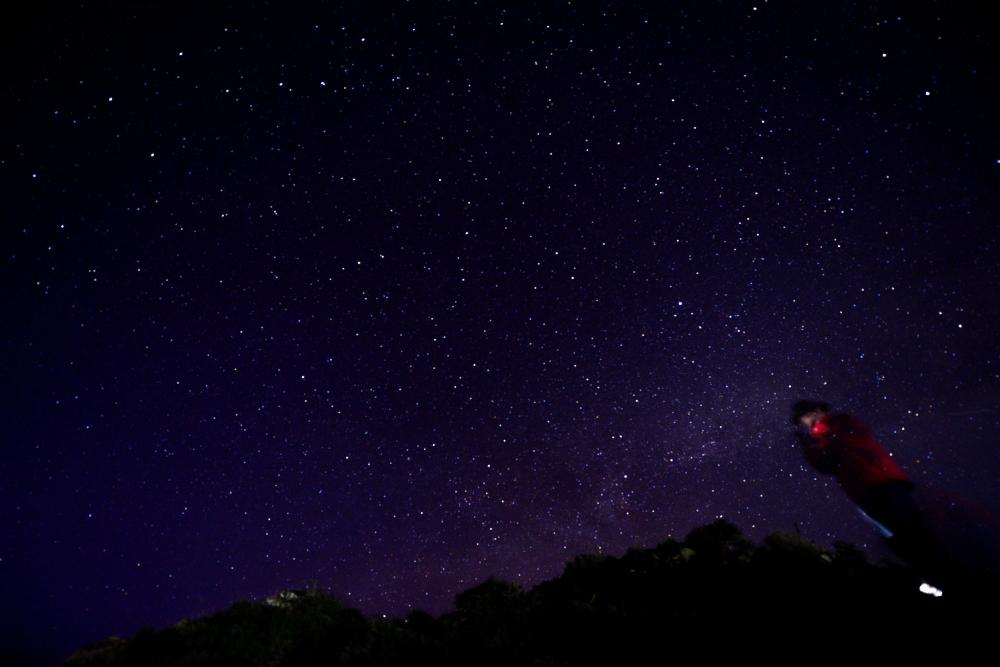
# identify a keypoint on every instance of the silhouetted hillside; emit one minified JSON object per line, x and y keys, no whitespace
{"x":714,"y":593}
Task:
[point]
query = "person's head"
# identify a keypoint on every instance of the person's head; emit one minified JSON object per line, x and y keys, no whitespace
{"x":806,"y":412}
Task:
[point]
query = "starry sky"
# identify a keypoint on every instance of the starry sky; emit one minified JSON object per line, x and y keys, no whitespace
{"x":389,"y":299}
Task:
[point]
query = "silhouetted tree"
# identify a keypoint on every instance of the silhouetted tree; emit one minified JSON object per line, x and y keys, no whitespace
{"x":713,"y":592}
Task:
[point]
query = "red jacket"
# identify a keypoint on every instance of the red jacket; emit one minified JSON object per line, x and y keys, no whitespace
{"x":843,"y":446}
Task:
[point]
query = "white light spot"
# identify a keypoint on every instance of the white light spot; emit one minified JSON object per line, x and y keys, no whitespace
{"x":930,"y":590}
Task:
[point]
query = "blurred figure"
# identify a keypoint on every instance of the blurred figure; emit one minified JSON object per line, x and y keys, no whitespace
{"x":946,"y":539}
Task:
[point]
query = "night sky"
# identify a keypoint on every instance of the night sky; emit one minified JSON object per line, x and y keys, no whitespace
{"x":392,"y":298}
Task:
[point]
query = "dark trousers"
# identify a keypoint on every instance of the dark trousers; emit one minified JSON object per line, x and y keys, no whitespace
{"x":892,"y":504}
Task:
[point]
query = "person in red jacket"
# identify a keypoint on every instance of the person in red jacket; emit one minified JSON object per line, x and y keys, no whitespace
{"x":840,"y":444}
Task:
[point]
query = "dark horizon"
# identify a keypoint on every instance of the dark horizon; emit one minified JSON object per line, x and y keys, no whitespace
{"x":395,"y":299}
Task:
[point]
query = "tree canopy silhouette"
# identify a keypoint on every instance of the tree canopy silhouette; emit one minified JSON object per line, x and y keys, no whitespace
{"x":713,"y":591}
